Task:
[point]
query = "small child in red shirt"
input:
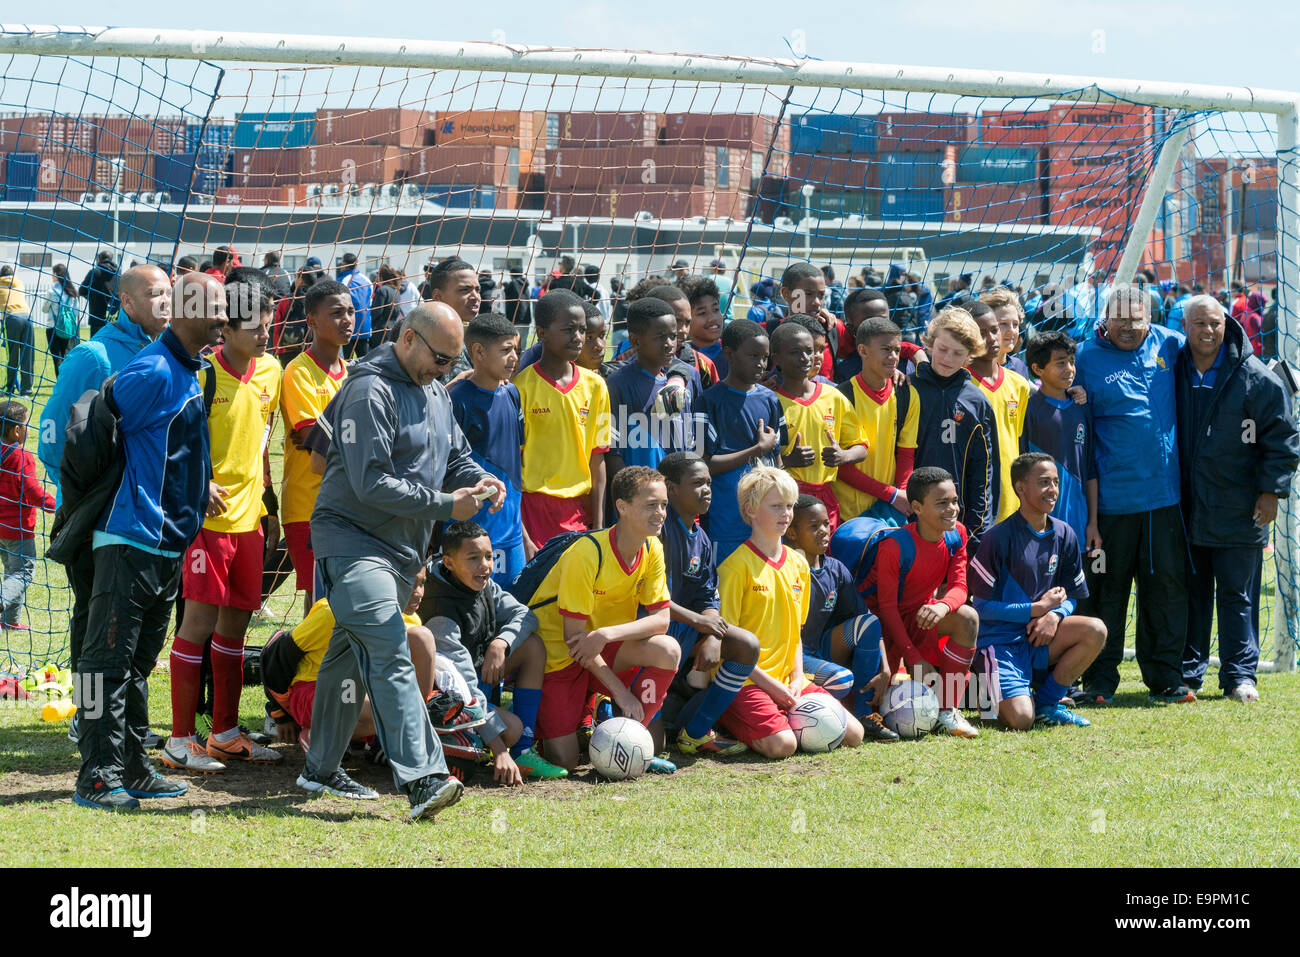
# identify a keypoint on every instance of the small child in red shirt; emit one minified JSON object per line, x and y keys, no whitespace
{"x":21,"y":494}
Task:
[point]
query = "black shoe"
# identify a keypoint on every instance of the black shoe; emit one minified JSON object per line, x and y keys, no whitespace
{"x":74,"y":729}
{"x":1179,"y":694}
{"x":105,"y":797}
{"x":338,"y":784}
{"x":152,"y":742}
{"x":154,"y":785}
{"x":432,"y":793}
{"x":874,"y":729}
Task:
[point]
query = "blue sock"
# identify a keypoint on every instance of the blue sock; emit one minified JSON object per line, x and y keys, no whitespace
{"x":1050,"y":692}
{"x":525,"y":708}
{"x":866,"y":665}
{"x":718,"y":697}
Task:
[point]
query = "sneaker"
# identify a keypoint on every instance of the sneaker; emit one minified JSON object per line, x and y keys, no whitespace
{"x":472,"y":715}
{"x":240,"y":748}
{"x":105,"y":798}
{"x":432,"y":793}
{"x":953,"y":722}
{"x":1179,"y":694}
{"x":1245,"y":692}
{"x":711,"y":743}
{"x":189,"y":756}
{"x":1094,"y":699}
{"x":154,"y":785}
{"x":15,"y":626}
{"x":874,"y":729}
{"x":659,"y":765}
{"x":74,"y":728}
{"x":153,"y":741}
{"x":1058,"y":714}
{"x":533,"y":765}
{"x":337,"y":784}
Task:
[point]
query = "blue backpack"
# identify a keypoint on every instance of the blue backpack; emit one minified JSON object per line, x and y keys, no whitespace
{"x":534,"y":573}
{"x":856,"y":541}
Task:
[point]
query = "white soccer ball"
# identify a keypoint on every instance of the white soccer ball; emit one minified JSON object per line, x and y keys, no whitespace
{"x":910,"y":709}
{"x":620,"y":748}
{"x":819,"y":723}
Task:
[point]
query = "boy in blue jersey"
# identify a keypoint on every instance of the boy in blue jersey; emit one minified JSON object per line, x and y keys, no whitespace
{"x":843,"y":649}
{"x":652,"y":396}
{"x":746,"y":427}
{"x":1057,"y":425}
{"x":697,"y":624}
{"x":487,"y":408}
{"x":706,"y":319}
{"x":1026,"y":580}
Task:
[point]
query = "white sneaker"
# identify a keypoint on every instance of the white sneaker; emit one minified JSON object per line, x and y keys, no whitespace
{"x":953,"y":722}
{"x":186,"y":754}
{"x":1245,"y":692}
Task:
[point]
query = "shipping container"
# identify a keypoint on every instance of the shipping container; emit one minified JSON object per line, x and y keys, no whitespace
{"x":461,"y":196}
{"x":1095,"y":165}
{"x":496,"y":166}
{"x":520,"y":129}
{"x":987,"y":203}
{"x":218,"y":133}
{"x":1259,"y":212}
{"x":22,"y":170}
{"x":913,"y":204}
{"x":1118,"y":123}
{"x":261,"y":196}
{"x":135,"y":176}
{"x":766,"y":201}
{"x":212,"y":170}
{"x":999,"y":164}
{"x":844,"y":134}
{"x":602,"y":129}
{"x":65,"y":171}
{"x":591,"y":169}
{"x":37,"y":132}
{"x":174,"y":174}
{"x":1102,"y":207}
{"x":382,"y":127}
{"x":896,"y":172}
{"x":1014,"y":127}
{"x":745,"y":131}
{"x":116,"y":135}
{"x":267,"y":168}
{"x":836,"y":203}
{"x":833,"y":172}
{"x":261,"y":130}
{"x":349,"y":164}
{"x":671,"y":201}
{"x":923,"y":132}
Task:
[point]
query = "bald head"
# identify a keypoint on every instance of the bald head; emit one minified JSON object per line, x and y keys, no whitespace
{"x":139,"y":278}
{"x":431,"y":317}
{"x":198,"y":310}
{"x":146,"y":295}
{"x":431,"y":333}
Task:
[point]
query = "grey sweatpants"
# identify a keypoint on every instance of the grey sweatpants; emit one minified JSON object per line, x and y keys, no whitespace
{"x":368,"y":654}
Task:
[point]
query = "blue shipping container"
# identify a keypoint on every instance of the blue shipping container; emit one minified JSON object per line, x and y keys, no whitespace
{"x":837,"y":134}
{"x":174,"y":174}
{"x":214,"y":133}
{"x":21,"y":170}
{"x":20,"y":194}
{"x":908,"y":171}
{"x":998,"y":164}
{"x":274,"y":130}
{"x":921,"y":204}
{"x":462,"y":197}
{"x":212,"y":170}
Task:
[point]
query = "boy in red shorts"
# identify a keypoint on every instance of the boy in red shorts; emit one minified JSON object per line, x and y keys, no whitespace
{"x":222,"y":569}
{"x":586,"y":609}
{"x":929,"y":634}
{"x":764,"y":586}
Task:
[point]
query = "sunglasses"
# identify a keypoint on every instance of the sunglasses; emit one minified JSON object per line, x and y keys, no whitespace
{"x":438,"y":358}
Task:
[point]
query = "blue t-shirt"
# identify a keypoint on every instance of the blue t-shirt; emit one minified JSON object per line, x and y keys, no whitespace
{"x":1063,"y":430}
{"x":653,"y":415}
{"x":493,"y":423}
{"x":688,"y":559}
{"x":1014,"y":567}
{"x":733,"y":418}
{"x":834,"y":600}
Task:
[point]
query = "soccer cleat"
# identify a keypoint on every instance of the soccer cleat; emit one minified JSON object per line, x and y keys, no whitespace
{"x":659,"y":765}
{"x":472,"y":715}
{"x":1179,"y":694}
{"x":187,"y":755}
{"x":874,"y":729}
{"x":1245,"y":692}
{"x":432,"y":793}
{"x":240,"y":748}
{"x":711,"y":743}
{"x":105,"y":798}
{"x":533,"y":765}
{"x":953,"y":722}
{"x":154,"y":785}
{"x":337,"y":784}
{"x":1059,"y":714}
{"x":1093,"y":699}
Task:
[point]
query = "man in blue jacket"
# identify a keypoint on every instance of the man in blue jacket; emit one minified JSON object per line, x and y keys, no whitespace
{"x":1127,"y":369}
{"x":1238,"y":448}
{"x":138,"y":542}
{"x":362,"y":291}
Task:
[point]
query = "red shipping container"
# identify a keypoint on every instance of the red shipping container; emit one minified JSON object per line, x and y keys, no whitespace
{"x":746,"y":131}
{"x":382,"y":127}
{"x":521,"y":129}
{"x":986,"y":203}
{"x":349,"y":164}
{"x":138,"y":134}
{"x":39,"y":132}
{"x":606,"y":129}
{"x":1094,"y":165}
{"x":923,"y":132}
{"x":1015,"y":127}
{"x":578,"y":205}
{"x":461,"y":166}
{"x":661,"y":201}
{"x":66,"y":171}
{"x":838,"y":172}
{"x":137,"y":173}
{"x":1102,"y":207}
{"x":1102,"y":123}
{"x":591,"y":169}
{"x":266,"y":168}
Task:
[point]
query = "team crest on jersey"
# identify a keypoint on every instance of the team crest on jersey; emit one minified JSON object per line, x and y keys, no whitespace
{"x":1078,"y":435}
{"x":1051,"y":565}
{"x":829,"y":421}
{"x":829,"y":603}
{"x":1012,"y":406}
{"x":694,"y":566}
{"x":1160,"y":361}
{"x":582,"y":411}
{"x":958,"y":415}
{"x":797,"y":587}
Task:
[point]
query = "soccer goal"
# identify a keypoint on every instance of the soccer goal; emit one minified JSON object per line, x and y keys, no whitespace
{"x":152,"y":145}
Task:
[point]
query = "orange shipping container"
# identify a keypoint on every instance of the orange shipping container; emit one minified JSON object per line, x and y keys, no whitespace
{"x":1099,"y":206}
{"x":264,"y":168}
{"x":994,"y":203}
{"x":383,"y":127}
{"x":66,"y":171}
{"x":1096,"y":165}
{"x":522,"y":129}
{"x":261,"y":196}
{"x":38,"y":132}
{"x":138,"y":134}
{"x":1101,"y":123}
{"x":137,"y":173}
{"x":837,"y":172}
{"x":647,"y":165}
{"x":747,"y":131}
{"x":349,"y":164}
{"x":609,"y":128}
{"x":462,"y":166}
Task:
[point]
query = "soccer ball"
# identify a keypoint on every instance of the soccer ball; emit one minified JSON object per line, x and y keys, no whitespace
{"x":620,"y":748}
{"x":910,"y":709}
{"x":819,"y":723}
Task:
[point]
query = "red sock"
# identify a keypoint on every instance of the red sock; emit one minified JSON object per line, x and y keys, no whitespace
{"x":650,"y":687}
{"x":186,"y":659}
{"x":227,"y":680}
{"x":954,"y":668}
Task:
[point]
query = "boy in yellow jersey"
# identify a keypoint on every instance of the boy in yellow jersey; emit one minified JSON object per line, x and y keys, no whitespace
{"x":816,"y":414}
{"x":888,"y":415}
{"x":586,"y":608}
{"x":222,"y":568}
{"x":1008,"y":392}
{"x":765,"y":587}
{"x":566,"y":426}
{"x":310,"y":380}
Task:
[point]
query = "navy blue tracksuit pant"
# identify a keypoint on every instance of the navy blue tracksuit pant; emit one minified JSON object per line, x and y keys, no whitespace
{"x":1229,"y":579}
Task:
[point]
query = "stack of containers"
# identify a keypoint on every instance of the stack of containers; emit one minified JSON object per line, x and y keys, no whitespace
{"x":740,"y":143}
{"x":49,"y":156}
{"x":463,"y":139}
{"x":917,"y":156}
{"x":835,"y":153}
{"x":997,"y":184}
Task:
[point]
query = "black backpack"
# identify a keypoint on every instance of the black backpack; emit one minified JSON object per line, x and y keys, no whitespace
{"x":534,"y":573}
{"x":90,"y":470}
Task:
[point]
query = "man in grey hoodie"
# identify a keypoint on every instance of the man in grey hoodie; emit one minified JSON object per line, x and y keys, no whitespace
{"x":394,"y":447}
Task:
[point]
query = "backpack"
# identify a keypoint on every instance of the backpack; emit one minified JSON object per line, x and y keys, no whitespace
{"x":856,"y":542}
{"x":91,"y":468}
{"x":534,"y":573}
{"x":904,"y":399}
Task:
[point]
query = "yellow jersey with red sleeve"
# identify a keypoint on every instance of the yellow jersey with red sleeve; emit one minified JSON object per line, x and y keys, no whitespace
{"x":237,"y":426}
{"x":877,"y":414}
{"x":563,"y":428}
{"x":312,"y":636}
{"x":817,"y":419}
{"x":591,"y":583}
{"x":1008,"y":393}
{"x":307,"y":389}
{"x":768,"y":598}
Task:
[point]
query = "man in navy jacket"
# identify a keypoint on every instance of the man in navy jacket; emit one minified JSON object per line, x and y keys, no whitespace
{"x":1127,"y":369}
{"x":1238,"y":448}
